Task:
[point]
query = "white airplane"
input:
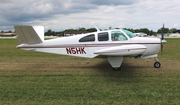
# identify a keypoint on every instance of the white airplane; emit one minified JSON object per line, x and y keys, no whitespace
{"x":113,"y":44}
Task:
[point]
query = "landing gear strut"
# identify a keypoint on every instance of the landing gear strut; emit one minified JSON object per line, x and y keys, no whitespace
{"x":157,"y":64}
{"x":115,"y":62}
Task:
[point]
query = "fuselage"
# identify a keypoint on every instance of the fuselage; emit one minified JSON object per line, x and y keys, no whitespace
{"x":105,"y":43}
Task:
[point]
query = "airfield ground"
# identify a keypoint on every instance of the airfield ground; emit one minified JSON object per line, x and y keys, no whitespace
{"x":28,"y":77}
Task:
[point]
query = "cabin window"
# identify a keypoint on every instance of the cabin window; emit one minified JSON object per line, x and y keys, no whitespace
{"x":88,"y":38}
{"x":103,"y":36}
{"x":118,"y":36}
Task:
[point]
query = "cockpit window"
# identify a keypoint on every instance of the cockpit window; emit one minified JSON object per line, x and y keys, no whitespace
{"x":88,"y":38}
{"x":118,"y":36}
{"x":130,"y":34}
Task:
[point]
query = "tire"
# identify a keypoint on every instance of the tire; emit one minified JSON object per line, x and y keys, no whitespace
{"x":157,"y":64}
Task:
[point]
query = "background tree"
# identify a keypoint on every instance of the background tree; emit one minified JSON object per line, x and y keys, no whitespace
{"x":91,"y":30}
{"x":166,"y":30}
{"x":172,"y":30}
{"x":152,"y":33}
{"x":49,"y":32}
{"x":70,"y":30}
{"x":9,"y":31}
{"x":145,"y":30}
{"x":82,"y":29}
{"x":136,"y":30}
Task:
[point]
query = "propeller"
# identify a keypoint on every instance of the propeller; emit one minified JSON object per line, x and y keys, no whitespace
{"x":162,"y":39}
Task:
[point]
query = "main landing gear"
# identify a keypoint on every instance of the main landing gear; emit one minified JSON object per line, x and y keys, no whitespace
{"x":115,"y":62}
{"x":157,"y":64}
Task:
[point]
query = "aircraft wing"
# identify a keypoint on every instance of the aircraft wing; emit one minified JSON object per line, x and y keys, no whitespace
{"x":123,"y":50}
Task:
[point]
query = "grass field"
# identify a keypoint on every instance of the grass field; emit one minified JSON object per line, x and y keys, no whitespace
{"x":37,"y":78}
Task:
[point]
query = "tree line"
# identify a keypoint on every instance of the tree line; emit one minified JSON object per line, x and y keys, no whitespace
{"x":144,"y":30}
{"x":49,"y":32}
{"x":61,"y":33}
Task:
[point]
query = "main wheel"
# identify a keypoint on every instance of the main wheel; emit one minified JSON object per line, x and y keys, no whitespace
{"x":157,"y":64}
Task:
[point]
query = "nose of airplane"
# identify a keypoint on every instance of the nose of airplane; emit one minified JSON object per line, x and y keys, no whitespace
{"x":153,"y":45}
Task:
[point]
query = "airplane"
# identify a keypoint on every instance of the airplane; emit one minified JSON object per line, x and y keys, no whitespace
{"x":113,"y":44}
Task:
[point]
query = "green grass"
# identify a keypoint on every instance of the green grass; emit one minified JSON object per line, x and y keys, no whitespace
{"x":171,"y":49}
{"x":28,"y":77}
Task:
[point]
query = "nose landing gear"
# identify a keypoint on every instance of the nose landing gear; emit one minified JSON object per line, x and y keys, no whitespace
{"x":157,"y":64}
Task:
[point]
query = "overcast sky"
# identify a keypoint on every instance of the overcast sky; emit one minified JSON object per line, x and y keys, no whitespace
{"x":58,"y":15}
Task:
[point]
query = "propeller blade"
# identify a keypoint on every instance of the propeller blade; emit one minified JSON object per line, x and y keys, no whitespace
{"x":162,"y":31}
{"x":162,"y":35}
{"x":162,"y":39}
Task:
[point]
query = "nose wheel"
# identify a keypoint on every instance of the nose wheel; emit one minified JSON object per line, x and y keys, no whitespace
{"x":157,"y":64}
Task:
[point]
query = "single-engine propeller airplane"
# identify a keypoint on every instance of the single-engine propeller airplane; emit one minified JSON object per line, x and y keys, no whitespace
{"x":113,"y":44}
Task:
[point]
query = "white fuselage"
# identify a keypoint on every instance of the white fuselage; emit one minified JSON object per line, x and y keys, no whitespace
{"x":74,"y":46}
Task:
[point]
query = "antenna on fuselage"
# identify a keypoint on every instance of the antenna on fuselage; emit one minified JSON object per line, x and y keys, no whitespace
{"x":96,"y":28}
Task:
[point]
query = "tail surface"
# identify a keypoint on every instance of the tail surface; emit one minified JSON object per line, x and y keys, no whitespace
{"x":29,"y":34}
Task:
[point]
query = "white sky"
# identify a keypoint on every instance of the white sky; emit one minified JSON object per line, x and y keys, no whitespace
{"x":58,"y":15}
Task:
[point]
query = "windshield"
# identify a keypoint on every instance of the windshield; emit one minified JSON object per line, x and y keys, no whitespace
{"x":118,"y":36}
{"x":130,"y":34}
